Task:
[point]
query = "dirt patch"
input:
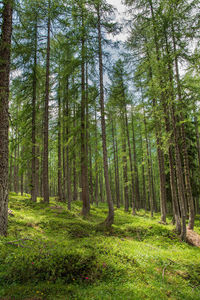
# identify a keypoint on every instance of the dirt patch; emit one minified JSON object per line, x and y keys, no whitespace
{"x":193,"y":238}
{"x":58,"y":209}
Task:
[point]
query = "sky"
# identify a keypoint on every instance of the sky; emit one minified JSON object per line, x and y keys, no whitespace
{"x":121,"y":10}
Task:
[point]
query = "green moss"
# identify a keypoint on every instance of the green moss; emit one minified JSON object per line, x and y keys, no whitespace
{"x":57,"y":254}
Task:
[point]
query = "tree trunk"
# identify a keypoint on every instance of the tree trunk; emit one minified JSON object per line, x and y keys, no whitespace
{"x":68,"y":169}
{"x":46,"y":118}
{"x":168,"y":127}
{"x":184,"y":143}
{"x":133,"y":194}
{"x":33,"y":175}
{"x":96,"y":161}
{"x":137,"y":187}
{"x":116,"y":168}
{"x":197,"y":139}
{"x":144,"y":199}
{"x":149,"y":168}
{"x":75,"y":192}
{"x":5,"y":47}
{"x":125,"y":176}
{"x":60,"y":196}
{"x":84,"y":166}
{"x":64,"y":156}
{"x":110,"y":219}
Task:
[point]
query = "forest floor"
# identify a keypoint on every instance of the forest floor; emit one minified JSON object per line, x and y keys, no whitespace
{"x":51,"y":253}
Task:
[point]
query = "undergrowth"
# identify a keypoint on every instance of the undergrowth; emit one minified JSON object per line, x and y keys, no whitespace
{"x":51,"y":253}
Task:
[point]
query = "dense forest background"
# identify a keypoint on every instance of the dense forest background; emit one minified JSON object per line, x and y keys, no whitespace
{"x":97,"y":120}
{"x":99,"y":150}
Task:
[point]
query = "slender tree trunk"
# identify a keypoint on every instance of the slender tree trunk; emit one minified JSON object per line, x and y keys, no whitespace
{"x":137,"y":187}
{"x":116,"y":168}
{"x":148,"y":168}
{"x":46,"y":118}
{"x":197,"y":139}
{"x":144,"y":200}
{"x":89,"y":196}
{"x":133,"y":194}
{"x":11,"y":172}
{"x":84,"y":166}
{"x":5,"y":47}
{"x":110,"y":219}
{"x":184,"y":143}
{"x":152,"y":177}
{"x":33,"y":175}
{"x":22,"y":173}
{"x":96,"y":161}
{"x":158,"y":131}
{"x":168,"y":128}
{"x":64,"y":156}
{"x":75,"y":192}
{"x":15,"y":171}
{"x":60,"y":196}
{"x":68,"y":169}
{"x":91,"y":177}
{"x":125,"y":171}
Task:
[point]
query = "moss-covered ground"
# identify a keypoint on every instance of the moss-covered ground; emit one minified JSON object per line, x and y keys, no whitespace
{"x":51,"y":253}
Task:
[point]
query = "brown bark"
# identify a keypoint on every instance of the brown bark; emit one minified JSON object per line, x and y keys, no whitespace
{"x":15,"y":170}
{"x":137,"y":190}
{"x":75,"y":192}
{"x":91,"y":177}
{"x":5,"y":47}
{"x":144,"y":200}
{"x":33,"y":175}
{"x":184,"y":143}
{"x":68,"y":168}
{"x":148,"y":168}
{"x":60,"y":196}
{"x":46,"y":117}
{"x":197,"y":138}
{"x":84,"y":167}
{"x":168,"y":127}
{"x":96,"y":161}
{"x":125,"y":171}
{"x":157,"y":128}
{"x":64,"y":156}
{"x":11,"y":172}
{"x":133,"y":194}
{"x":116,"y":168}
{"x":110,"y":219}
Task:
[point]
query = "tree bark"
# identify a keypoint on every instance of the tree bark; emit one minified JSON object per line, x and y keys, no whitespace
{"x":84,"y":166}
{"x":148,"y":168}
{"x":116,"y":167}
{"x":137,"y":188}
{"x":75,"y":192}
{"x":60,"y":196}
{"x":68,"y":168}
{"x":144,"y":199}
{"x":5,"y":48}
{"x":125,"y":171}
{"x":33,"y":175}
{"x":46,"y":117}
{"x":110,"y":219}
{"x":184,"y":143}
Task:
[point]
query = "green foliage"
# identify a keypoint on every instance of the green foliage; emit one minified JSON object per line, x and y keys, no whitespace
{"x":56,"y":254}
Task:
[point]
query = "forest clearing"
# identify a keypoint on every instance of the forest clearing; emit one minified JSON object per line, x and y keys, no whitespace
{"x":99,"y":149}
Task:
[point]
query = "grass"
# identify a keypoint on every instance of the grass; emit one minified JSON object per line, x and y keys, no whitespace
{"x":57,"y":254}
